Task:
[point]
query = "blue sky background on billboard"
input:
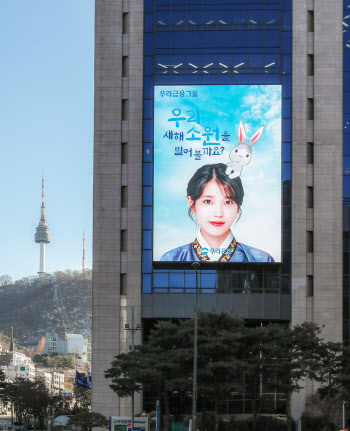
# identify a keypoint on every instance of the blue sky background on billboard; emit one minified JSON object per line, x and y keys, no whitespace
{"x":47,"y":123}
{"x":212,"y":114}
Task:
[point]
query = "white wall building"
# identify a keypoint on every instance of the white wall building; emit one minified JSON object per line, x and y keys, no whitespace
{"x":17,"y":364}
{"x":47,"y":377}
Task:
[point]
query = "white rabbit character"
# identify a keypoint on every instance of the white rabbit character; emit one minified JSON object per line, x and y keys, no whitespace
{"x":241,"y":155}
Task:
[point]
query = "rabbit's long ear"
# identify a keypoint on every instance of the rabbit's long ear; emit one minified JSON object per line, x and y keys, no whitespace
{"x":242,"y":136}
{"x":256,"y":136}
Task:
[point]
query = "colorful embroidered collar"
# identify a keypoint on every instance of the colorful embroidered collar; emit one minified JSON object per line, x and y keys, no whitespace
{"x":224,"y":258}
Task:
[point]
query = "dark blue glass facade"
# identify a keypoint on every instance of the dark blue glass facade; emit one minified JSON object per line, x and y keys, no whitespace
{"x":216,"y":42}
{"x":346,"y":102}
{"x":346,"y":171}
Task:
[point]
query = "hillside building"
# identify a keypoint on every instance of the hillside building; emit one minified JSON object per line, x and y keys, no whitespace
{"x":72,"y":344}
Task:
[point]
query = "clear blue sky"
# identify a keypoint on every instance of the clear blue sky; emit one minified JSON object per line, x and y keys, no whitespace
{"x":46,"y":111}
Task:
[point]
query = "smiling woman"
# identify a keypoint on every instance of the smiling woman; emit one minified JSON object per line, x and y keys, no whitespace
{"x":214,"y":202}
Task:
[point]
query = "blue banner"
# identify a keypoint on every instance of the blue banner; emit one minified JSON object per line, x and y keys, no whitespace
{"x":80,"y":381}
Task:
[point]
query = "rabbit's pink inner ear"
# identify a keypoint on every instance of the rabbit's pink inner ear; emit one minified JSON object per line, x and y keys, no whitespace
{"x":241,"y":133}
{"x":255,"y":137}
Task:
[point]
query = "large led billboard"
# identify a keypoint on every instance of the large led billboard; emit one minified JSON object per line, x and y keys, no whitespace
{"x":217,"y":173}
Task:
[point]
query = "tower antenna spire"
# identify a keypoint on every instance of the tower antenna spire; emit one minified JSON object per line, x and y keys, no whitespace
{"x":83,"y":269}
{"x":42,"y":218}
{"x":42,"y":235}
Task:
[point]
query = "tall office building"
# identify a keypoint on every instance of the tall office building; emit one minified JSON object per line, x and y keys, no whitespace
{"x":173,"y":81}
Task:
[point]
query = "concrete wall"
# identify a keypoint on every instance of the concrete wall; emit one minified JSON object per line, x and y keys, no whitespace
{"x":317,"y":124}
{"x":118,"y":120}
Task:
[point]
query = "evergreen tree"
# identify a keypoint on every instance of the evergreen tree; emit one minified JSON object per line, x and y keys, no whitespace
{"x":88,"y":420}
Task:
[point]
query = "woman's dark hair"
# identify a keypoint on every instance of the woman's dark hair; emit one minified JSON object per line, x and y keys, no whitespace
{"x":233,"y":187}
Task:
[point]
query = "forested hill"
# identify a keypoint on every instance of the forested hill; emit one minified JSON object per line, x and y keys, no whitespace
{"x":29,"y":306}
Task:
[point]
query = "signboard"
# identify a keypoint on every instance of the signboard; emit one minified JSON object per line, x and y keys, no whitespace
{"x":217,"y":173}
{"x":118,"y":423}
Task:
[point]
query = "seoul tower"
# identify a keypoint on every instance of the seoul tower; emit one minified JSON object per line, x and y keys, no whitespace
{"x":42,"y":235}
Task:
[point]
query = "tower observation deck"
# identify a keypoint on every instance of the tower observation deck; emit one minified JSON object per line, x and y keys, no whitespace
{"x":42,"y":235}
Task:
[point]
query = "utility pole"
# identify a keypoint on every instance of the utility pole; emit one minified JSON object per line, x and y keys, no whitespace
{"x":132,"y":329}
{"x":196,"y":266}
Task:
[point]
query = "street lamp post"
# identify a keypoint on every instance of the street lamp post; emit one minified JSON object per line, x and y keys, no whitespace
{"x":196,"y":266}
{"x":132,"y":329}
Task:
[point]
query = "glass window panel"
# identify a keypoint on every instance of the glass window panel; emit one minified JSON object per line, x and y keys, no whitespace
{"x":147,"y":217}
{"x":194,"y":39}
{"x":272,"y":78}
{"x":286,"y":21}
{"x":160,"y":280}
{"x":148,"y":65}
{"x":148,"y":22}
{"x":176,"y":279}
{"x":286,"y":262}
{"x":346,"y":186}
{"x":286,"y":218}
{"x":147,"y":152}
{"x":287,"y":42}
{"x":286,"y":240}
{"x":257,"y":60}
{"x":225,"y":38}
{"x":345,"y":263}
{"x":178,"y":39}
{"x":148,"y":87}
{"x":346,"y":80}
{"x":272,"y":38}
{"x":346,"y":144}
{"x":146,"y":283}
{"x":286,"y":64}
{"x":147,"y":239}
{"x":286,"y":194}
{"x":163,"y":39}
{"x":241,"y":38}
{"x":190,"y":278}
{"x":148,"y":44}
{"x":148,"y":130}
{"x":240,"y":61}
{"x":241,"y":17}
{"x":286,"y":171}
{"x":346,"y":308}
{"x":207,"y":17}
{"x":346,"y":119}
{"x":209,"y":39}
{"x":272,"y":58}
{"x":285,"y":284}
{"x":346,"y":282}
{"x":147,"y":176}
{"x":148,"y":5}
{"x":207,"y":280}
{"x":147,"y":261}
{"x":346,"y":165}
{"x":346,"y":59}
{"x":272,"y":17}
{"x":271,"y":281}
{"x":147,"y":196}
{"x":346,"y":104}
{"x":148,"y":108}
{"x":286,"y":156}
{"x":286,"y":4}
{"x":286,"y":108}
{"x":346,"y":243}
{"x":226,"y":16}
{"x":346,"y":331}
{"x":286,"y":130}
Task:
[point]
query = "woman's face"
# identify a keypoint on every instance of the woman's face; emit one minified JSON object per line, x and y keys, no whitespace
{"x":215,"y":212}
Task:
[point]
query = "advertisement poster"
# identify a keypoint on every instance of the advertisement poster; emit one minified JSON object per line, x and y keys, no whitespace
{"x":217,"y":173}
